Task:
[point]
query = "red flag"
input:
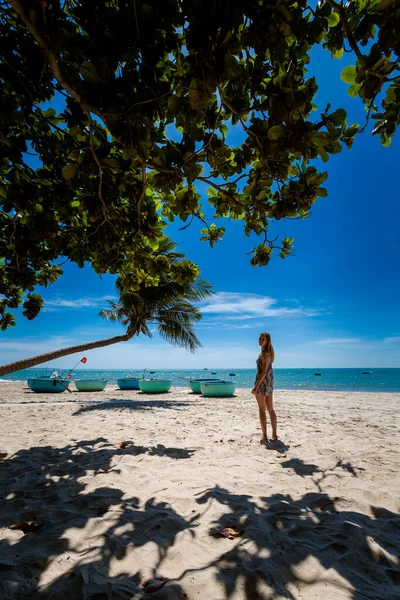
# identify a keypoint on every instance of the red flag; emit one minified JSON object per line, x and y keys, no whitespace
{"x":84,"y":359}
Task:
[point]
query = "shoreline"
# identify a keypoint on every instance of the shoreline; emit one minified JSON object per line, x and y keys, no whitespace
{"x":352,"y":390}
{"x":20,"y":386}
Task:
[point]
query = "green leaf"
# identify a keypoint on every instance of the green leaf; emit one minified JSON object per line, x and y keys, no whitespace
{"x":338,"y":53}
{"x":381,"y":6}
{"x":324,"y":155}
{"x":320,"y":138}
{"x":349,"y":74}
{"x":223,"y":129}
{"x":276,"y":132}
{"x":321,"y":192}
{"x":233,"y":69}
{"x":175,"y":103}
{"x":385,"y":140}
{"x":390,"y":95}
{"x":200,"y":93}
{"x":338,"y":117}
{"x":333,"y":19}
{"x":112,"y":163}
{"x":354,"y":90}
{"x":89,"y":72}
{"x":69,"y":171}
{"x":50,"y":112}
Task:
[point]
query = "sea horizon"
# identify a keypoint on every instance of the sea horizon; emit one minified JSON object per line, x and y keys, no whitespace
{"x":366,"y":379}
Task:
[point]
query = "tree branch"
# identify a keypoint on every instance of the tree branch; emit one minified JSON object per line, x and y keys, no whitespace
{"x":353,"y":44}
{"x":139,"y":204}
{"x":100,"y":168}
{"x":52,"y":59}
{"x":238,"y":116}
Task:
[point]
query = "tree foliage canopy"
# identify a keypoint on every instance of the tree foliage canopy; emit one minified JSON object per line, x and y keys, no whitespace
{"x":146,"y":92}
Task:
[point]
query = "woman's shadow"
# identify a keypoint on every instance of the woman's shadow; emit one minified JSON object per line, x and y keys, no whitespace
{"x":277,"y":445}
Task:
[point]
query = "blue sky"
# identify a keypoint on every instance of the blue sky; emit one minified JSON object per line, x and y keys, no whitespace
{"x":334,"y":304}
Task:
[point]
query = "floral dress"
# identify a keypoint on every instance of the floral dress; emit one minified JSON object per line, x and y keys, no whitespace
{"x":266,"y":387}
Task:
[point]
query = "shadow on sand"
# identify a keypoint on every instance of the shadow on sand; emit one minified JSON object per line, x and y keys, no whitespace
{"x":115,"y":403}
{"x":60,"y":489}
{"x":285,"y":542}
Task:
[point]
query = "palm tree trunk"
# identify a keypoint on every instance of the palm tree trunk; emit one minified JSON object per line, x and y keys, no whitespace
{"x":41,"y":358}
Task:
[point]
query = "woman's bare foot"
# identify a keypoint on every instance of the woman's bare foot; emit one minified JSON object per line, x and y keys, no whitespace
{"x":264,"y":439}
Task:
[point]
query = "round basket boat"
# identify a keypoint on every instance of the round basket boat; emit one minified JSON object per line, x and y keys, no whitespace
{"x":195,"y":384}
{"x":48,"y":386}
{"x":155,"y":386}
{"x":128,"y":383}
{"x":218,"y":388}
{"x":90,"y":385}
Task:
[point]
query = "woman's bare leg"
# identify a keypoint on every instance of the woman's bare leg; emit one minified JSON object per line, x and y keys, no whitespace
{"x":262,"y":415}
{"x":272,"y":416}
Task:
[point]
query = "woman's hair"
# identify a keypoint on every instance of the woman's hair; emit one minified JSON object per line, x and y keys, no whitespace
{"x":268,"y":345}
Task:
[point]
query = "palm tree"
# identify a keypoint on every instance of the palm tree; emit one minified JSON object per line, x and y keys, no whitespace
{"x":170,"y":306}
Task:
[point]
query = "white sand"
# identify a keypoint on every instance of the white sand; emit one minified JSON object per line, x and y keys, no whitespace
{"x":318,"y":512}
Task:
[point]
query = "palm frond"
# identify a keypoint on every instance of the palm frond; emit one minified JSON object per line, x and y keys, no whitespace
{"x":180,"y":310}
{"x":171,"y":305}
{"x":179,"y":334}
{"x":109,"y":315}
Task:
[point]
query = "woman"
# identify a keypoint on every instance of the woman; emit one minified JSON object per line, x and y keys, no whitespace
{"x":264,"y":385}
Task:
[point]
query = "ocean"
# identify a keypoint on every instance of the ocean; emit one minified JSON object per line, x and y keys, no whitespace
{"x":346,"y":380}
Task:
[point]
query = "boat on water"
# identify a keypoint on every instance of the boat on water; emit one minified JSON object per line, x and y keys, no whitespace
{"x":367,"y":372}
{"x":47,"y":385}
{"x":195,"y":384}
{"x":128,"y":383}
{"x":155,"y":386}
{"x":90,"y":385}
{"x":221,"y":389}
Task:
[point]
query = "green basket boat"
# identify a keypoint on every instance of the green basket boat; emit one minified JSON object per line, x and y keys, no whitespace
{"x":155,"y":386}
{"x":195,"y":384}
{"x":90,"y":385}
{"x":44,"y":385}
{"x":218,"y":388}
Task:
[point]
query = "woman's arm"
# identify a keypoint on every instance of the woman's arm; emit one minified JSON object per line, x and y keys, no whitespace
{"x":265,"y":357}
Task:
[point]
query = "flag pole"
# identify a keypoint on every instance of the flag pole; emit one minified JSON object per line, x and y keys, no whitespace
{"x":81,"y":360}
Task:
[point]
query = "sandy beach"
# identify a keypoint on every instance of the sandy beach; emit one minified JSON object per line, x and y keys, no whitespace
{"x":126,"y":488}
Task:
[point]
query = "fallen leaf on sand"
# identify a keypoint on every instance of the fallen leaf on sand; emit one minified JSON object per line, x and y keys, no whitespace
{"x":100,"y":471}
{"x":125,"y":444}
{"x":227,"y":532}
{"x":152,"y":585}
{"x":26,"y":527}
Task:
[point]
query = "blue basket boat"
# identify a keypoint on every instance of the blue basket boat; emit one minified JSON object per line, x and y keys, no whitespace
{"x":44,"y":385}
{"x":128,"y":383}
